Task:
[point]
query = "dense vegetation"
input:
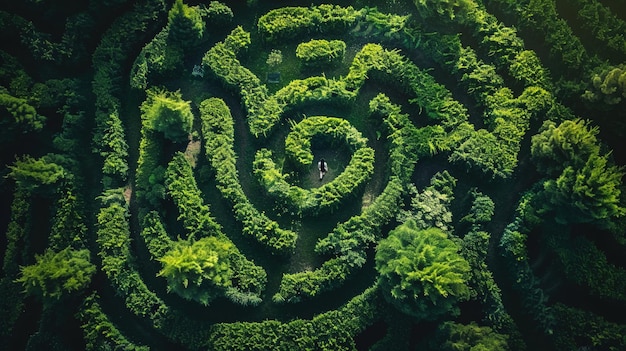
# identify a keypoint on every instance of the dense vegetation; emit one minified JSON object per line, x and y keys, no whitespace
{"x":160,"y":174}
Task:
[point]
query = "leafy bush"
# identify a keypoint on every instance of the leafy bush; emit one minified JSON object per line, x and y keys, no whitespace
{"x":319,"y":52}
{"x":57,"y":273}
{"x":31,"y":174}
{"x":431,"y":207}
{"x":166,"y":112}
{"x":421,"y":271}
{"x":198,"y":270}
{"x":25,"y":117}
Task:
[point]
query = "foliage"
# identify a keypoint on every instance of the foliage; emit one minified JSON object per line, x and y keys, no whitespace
{"x":185,"y":25}
{"x":608,"y":85}
{"x":183,"y":189}
{"x":421,"y":272}
{"x":113,"y":239}
{"x":570,"y":144}
{"x":318,"y":52}
{"x":482,"y":209}
{"x":57,"y":273}
{"x":68,"y":226}
{"x":290,"y":22}
{"x":275,"y":57}
{"x":605,"y":26}
{"x":99,"y":332}
{"x":25,"y":117}
{"x":198,"y":270}
{"x":114,"y":148}
{"x":33,"y":173}
{"x":158,"y":58}
{"x":330,"y":331}
{"x":218,"y":132}
{"x":468,"y":337}
{"x":217,"y":12}
{"x":587,"y":186}
{"x":580,"y":329}
{"x":166,"y":112}
{"x":586,"y":265}
{"x":591,"y":193}
{"x":448,"y":10}
{"x":431,"y":207}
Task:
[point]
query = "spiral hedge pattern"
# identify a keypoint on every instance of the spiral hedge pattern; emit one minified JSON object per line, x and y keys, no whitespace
{"x":196,"y":219}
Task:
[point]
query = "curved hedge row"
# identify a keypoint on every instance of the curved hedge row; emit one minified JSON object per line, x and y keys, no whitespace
{"x":289,"y":22}
{"x":329,"y":331}
{"x":298,"y":141}
{"x":218,"y":132}
{"x":326,"y":197}
{"x":298,"y":149}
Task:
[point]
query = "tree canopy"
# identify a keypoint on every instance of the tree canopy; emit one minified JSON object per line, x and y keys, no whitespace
{"x":56,"y":273}
{"x":167,"y":112}
{"x":199,"y":270}
{"x":185,"y":24}
{"x":421,"y":271}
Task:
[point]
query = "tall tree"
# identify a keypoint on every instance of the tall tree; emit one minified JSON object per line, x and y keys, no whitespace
{"x":185,"y":25}
{"x":421,"y":272}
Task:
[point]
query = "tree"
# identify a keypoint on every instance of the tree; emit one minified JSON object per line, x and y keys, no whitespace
{"x":185,"y":25}
{"x":587,"y":194}
{"x":421,"y":272}
{"x":56,"y":273}
{"x":166,"y":112}
{"x":30,"y":173}
{"x":198,"y":270}
{"x":567,"y":145}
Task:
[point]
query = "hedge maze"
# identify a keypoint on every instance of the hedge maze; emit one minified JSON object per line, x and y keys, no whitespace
{"x":166,"y":195}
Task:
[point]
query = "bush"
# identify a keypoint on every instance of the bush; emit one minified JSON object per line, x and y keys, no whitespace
{"x":57,"y":273}
{"x":321,"y":52}
{"x":166,"y":112}
{"x":198,"y":270}
{"x":421,"y":271}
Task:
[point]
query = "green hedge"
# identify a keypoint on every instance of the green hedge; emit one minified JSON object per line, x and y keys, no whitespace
{"x":290,"y":22}
{"x":334,"y":330}
{"x":113,"y":239}
{"x":320,"y":52}
{"x":18,"y":228}
{"x":218,"y":132}
{"x":99,"y":332}
{"x":183,"y":189}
